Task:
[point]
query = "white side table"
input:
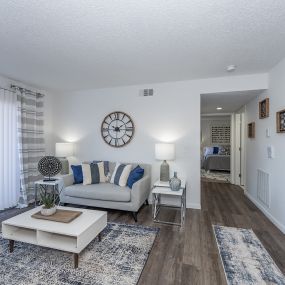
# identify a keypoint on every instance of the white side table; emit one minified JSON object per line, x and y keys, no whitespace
{"x":162,"y":188}
{"x":45,"y":185}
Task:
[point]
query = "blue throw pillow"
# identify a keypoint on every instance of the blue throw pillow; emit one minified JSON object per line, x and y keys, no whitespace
{"x":135,"y":175}
{"x":215,"y":150}
{"x":77,"y":173}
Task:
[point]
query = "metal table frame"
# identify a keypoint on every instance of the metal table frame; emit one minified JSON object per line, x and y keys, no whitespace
{"x":45,"y":185}
{"x":157,"y":205}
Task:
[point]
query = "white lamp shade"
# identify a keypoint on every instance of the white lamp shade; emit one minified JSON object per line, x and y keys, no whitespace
{"x":63,"y":149}
{"x":164,"y":151}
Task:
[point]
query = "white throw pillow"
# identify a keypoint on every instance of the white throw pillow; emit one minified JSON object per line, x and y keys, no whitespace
{"x":121,"y":174}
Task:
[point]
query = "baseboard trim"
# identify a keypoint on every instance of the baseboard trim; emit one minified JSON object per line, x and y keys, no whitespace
{"x":279,"y":225}
{"x":193,"y":206}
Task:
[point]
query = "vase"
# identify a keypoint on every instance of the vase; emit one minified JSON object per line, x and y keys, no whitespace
{"x":175,"y":183}
{"x":48,"y":212}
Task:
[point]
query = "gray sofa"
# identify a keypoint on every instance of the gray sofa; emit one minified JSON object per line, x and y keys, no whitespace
{"x":107,"y":195}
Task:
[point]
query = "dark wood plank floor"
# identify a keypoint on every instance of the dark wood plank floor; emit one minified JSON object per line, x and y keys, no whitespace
{"x":191,"y":256}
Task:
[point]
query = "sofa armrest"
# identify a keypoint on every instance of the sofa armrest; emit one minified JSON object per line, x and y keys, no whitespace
{"x":140,"y":191}
{"x":67,"y":179}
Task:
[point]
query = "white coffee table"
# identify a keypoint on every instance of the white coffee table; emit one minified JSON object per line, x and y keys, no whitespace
{"x":71,"y":237}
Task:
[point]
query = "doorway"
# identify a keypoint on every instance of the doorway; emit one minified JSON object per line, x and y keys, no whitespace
{"x":223,"y":150}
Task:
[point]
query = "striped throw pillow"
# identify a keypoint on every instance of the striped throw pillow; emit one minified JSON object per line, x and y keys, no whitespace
{"x":93,"y":173}
{"x":121,"y":174}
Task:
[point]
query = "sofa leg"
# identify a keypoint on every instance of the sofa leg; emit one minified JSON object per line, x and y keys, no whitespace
{"x":146,"y":202}
{"x":135,"y":216}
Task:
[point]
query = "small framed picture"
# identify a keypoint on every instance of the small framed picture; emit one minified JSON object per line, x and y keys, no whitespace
{"x":280,"y":121}
{"x":251,"y":130}
{"x":264,"y":109}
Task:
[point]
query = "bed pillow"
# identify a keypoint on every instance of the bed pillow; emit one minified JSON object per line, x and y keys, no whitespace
{"x":208,"y":150}
{"x":222,"y":150}
{"x":215,"y":150}
{"x":121,"y":174}
{"x":135,"y":175}
{"x":77,"y":173}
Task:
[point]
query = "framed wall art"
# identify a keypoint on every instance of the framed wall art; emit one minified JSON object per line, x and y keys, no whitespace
{"x":264,"y":109}
{"x":280,"y":121}
{"x":251,"y":130}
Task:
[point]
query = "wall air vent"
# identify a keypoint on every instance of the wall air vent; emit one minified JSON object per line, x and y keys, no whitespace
{"x":146,"y":92}
{"x":263,"y":190}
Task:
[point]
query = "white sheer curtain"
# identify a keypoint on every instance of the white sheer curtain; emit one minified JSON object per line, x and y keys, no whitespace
{"x":9,"y":157}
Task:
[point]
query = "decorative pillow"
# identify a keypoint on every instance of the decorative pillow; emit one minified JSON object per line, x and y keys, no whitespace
{"x":93,"y":173}
{"x":77,"y":173}
{"x":222,"y":150}
{"x":208,"y":150}
{"x":135,"y":175}
{"x":215,"y":150}
{"x":121,"y":174}
{"x":106,"y":166}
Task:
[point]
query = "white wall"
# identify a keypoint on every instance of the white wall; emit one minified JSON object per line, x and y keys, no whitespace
{"x":257,"y":148}
{"x":172,"y":115}
{"x":6,"y":83}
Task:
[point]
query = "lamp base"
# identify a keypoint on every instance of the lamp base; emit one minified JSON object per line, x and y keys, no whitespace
{"x":65,"y":165}
{"x":164,"y":171}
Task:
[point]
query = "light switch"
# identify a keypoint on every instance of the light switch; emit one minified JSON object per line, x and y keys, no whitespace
{"x":268,"y":133}
{"x":270,"y":152}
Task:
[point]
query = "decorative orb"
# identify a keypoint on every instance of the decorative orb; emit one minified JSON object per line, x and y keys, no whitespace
{"x":49,"y":166}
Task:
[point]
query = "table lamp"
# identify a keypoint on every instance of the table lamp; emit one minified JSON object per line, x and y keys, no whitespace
{"x":62,"y":151}
{"x":164,"y":151}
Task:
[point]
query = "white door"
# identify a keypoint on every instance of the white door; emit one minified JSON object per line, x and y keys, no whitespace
{"x":237,"y":149}
{"x":242,"y":149}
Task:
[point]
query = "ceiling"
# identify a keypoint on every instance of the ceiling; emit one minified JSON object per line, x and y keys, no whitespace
{"x":72,"y":44}
{"x":229,"y":101}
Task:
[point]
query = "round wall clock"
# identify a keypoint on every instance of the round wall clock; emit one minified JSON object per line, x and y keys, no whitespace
{"x":117,"y":129}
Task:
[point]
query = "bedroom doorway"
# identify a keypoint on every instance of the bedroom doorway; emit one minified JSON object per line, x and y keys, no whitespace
{"x":216,"y":147}
{"x":223,"y":136}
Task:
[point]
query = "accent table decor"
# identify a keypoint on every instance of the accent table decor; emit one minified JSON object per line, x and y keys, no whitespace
{"x":175,"y":182}
{"x":164,"y":152}
{"x":49,"y":166}
{"x":61,"y":216}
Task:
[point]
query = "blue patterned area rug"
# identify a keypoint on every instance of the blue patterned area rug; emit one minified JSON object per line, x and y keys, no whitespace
{"x":245,"y":259}
{"x":118,"y":259}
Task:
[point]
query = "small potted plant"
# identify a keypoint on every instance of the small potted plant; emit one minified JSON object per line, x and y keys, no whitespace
{"x":48,"y":207}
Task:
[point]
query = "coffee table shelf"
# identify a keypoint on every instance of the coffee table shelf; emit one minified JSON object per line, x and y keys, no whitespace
{"x":19,"y":234}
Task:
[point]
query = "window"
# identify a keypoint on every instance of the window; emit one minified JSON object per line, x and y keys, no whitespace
{"x":9,"y":157}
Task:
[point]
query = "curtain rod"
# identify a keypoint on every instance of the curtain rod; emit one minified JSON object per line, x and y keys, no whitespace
{"x":7,"y":89}
{"x":27,"y":90}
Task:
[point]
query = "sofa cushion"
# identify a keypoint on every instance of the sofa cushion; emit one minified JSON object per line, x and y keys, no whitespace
{"x":135,"y":175}
{"x":102,"y":191}
{"x":77,"y":173}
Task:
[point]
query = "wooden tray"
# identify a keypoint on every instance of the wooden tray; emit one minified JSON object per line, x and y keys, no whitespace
{"x":62,"y":216}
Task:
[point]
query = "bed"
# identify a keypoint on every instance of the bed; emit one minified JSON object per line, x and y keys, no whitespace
{"x":217,"y":162}
{"x":216,"y":158}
